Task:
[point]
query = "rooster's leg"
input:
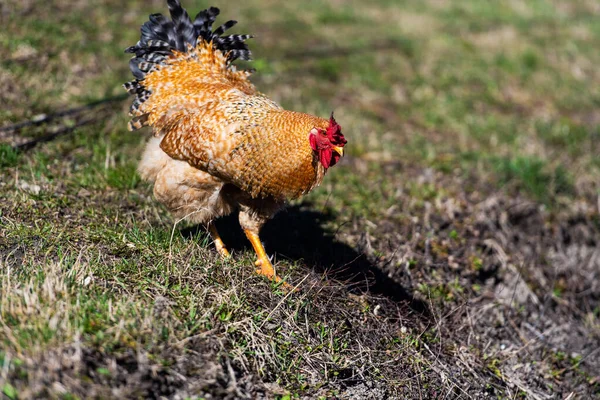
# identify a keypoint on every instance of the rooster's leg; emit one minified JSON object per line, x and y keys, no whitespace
{"x":214,"y":234}
{"x":251,"y":220}
{"x":265,"y":266}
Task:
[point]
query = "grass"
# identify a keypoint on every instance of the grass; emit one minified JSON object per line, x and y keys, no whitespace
{"x":451,"y":253}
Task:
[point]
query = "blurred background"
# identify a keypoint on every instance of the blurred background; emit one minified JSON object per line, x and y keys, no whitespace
{"x":507,"y":91}
{"x":472,"y":174}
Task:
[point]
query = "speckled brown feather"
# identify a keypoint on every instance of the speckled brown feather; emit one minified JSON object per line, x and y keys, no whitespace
{"x":212,"y":117}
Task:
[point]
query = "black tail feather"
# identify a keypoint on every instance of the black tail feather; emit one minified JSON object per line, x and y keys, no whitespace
{"x":183,"y":27}
{"x":161,"y":36}
{"x":227,"y":25}
{"x":204,"y":20}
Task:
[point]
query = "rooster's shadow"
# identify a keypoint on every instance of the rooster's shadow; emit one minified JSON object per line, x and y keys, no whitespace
{"x":297,"y":234}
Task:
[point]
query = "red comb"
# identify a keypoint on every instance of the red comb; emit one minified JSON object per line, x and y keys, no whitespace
{"x":334,"y":132}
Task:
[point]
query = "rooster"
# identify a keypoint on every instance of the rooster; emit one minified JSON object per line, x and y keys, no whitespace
{"x":219,"y":145}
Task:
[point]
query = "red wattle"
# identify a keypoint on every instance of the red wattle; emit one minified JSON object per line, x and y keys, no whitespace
{"x":325,"y":157}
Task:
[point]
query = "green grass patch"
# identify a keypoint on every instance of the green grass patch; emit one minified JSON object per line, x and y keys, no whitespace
{"x":535,"y":176}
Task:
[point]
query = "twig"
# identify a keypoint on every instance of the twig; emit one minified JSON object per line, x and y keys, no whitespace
{"x":44,"y":118}
{"x":67,"y":129}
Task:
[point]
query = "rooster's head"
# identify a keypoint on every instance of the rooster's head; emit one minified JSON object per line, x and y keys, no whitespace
{"x":328,"y":143}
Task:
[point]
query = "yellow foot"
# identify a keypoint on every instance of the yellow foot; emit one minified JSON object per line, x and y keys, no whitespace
{"x":266,"y":268}
{"x":219,"y":245}
{"x":264,"y":265}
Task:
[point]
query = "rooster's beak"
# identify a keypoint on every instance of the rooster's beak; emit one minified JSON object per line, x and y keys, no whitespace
{"x":339,"y":150}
